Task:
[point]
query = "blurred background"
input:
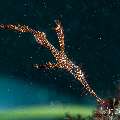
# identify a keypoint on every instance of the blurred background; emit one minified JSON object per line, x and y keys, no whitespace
{"x":92,"y":37}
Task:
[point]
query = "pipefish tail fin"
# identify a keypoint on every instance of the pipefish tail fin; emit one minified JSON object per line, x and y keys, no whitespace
{"x":17,"y":27}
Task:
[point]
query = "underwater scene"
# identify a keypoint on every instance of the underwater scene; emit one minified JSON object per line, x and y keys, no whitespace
{"x":59,"y":60}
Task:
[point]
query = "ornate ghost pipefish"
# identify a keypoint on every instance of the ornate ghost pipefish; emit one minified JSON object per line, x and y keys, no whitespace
{"x":62,"y":61}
